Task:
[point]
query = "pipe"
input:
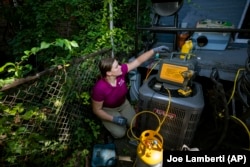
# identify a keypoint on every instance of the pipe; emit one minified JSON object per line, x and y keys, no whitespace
{"x":174,"y":29}
{"x":111,"y":26}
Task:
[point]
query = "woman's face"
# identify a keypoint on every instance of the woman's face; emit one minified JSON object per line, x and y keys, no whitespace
{"x":116,"y":69}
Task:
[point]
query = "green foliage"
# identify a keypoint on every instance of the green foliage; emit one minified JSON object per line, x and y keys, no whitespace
{"x":84,"y":136}
{"x":86,"y":22}
{"x":88,"y":126}
{"x":12,"y":131}
{"x":23,"y":145}
{"x":21,"y":68}
{"x":13,"y":121}
{"x":18,"y":147}
{"x":70,"y":28}
{"x":85,"y":96}
{"x":78,"y":158}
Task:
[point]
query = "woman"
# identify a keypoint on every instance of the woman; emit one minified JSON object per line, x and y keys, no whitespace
{"x":109,"y":101}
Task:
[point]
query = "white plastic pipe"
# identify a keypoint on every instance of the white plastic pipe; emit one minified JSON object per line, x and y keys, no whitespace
{"x":111,"y":26}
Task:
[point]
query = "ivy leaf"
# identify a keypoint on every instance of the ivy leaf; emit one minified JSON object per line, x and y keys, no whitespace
{"x":27,"y":115}
{"x":21,"y":130}
{"x":19,"y":108}
{"x":11,"y":70}
{"x":59,"y":42}
{"x":15,"y":147}
{"x":34,"y":50}
{"x":5,"y":65}
{"x":44,"y":45}
{"x":47,"y":143}
{"x":25,"y":57}
{"x":27,"y":52}
{"x":74,"y":44}
{"x":10,"y":112}
{"x":28,"y":67}
{"x":6,"y":81}
{"x":17,"y":73}
{"x":67,"y":45}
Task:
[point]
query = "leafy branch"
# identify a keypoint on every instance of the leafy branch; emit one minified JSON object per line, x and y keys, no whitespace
{"x":20,"y":69}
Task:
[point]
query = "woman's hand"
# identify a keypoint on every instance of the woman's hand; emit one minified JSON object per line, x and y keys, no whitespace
{"x":161,"y":49}
{"x":120,"y":120}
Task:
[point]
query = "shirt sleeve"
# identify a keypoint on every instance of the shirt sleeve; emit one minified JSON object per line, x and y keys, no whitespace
{"x":97,"y":93}
{"x":124,"y":69}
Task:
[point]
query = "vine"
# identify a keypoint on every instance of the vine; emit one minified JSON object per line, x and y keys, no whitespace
{"x":21,"y":68}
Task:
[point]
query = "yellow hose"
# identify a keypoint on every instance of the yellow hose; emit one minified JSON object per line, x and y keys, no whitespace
{"x":235,"y":81}
{"x":244,"y":126}
{"x":152,"y":69}
{"x":231,"y":97}
{"x":157,"y":117}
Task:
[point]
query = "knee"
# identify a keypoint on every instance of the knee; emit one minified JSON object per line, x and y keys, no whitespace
{"x":115,"y":130}
{"x":118,"y":134}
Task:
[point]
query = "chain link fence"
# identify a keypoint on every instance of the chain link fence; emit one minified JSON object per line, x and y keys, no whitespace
{"x":53,"y":100}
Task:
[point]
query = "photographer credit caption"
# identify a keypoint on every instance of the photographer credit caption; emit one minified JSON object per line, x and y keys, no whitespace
{"x":229,"y":159}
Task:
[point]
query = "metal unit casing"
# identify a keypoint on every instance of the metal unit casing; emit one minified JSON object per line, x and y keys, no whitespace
{"x":183,"y":116}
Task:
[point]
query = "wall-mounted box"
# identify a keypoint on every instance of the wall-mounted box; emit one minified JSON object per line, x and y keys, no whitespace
{"x":212,"y":40}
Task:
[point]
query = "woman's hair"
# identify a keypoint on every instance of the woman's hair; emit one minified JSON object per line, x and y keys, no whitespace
{"x":105,"y":65}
